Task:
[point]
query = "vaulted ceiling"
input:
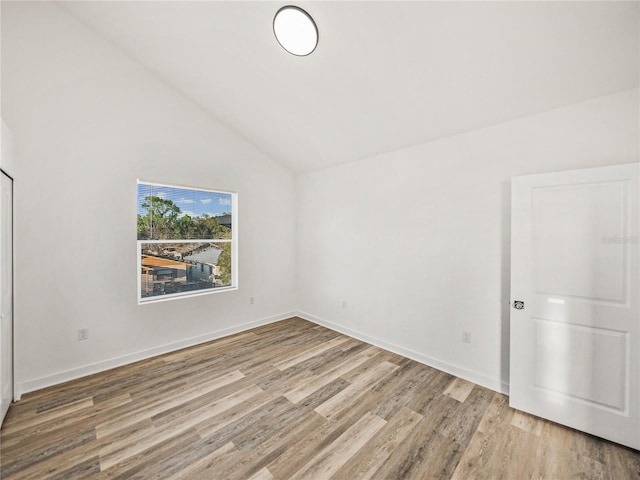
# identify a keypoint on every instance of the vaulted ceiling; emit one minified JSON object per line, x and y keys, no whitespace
{"x":385,"y":75}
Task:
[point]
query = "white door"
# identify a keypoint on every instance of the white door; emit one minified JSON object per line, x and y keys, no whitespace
{"x":6,"y":295}
{"x":575,"y":338}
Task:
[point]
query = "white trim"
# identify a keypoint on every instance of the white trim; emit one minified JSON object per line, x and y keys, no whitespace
{"x":488,"y":382}
{"x":183,"y":187}
{"x":233,"y":241}
{"x":193,"y":293}
{"x":97,"y":367}
{"x":72,"y":374}
{"x":235,"y":234}
{"x":190,"y":240}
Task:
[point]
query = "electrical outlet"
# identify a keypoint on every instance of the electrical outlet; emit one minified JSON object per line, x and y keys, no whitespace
{"x":252,"y":300}
{"x":344,"y":304}
{"x":83,"y":334}
{"x":466,"y":337}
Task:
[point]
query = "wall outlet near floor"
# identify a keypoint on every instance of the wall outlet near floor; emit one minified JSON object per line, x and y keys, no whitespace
{"x":83,"y":334}
{"x":344,"y":304}
{"x":252,"y":300}
{"x":466,"y":337}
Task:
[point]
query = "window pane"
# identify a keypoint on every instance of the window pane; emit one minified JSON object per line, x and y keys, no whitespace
{"x":170,"y":268}
{"x":168,"y":213}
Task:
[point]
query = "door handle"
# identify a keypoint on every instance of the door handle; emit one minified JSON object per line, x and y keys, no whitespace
{"x":518,"y":304}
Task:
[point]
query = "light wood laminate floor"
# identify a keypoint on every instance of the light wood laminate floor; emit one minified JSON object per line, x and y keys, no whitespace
{"x":290,"y":400}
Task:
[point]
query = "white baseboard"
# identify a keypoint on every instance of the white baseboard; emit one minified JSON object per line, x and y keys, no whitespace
{"x":83,"y":371}
{"x":466,"y":374}
{"x":97,"y":367}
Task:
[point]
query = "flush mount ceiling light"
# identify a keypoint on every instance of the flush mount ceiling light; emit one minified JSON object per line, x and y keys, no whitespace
{"x":295,"y":30}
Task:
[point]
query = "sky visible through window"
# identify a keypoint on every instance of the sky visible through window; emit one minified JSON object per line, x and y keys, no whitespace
{"x":194,"y":203}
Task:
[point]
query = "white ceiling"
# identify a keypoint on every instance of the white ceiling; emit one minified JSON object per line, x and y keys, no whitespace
{"x":385,"y":75}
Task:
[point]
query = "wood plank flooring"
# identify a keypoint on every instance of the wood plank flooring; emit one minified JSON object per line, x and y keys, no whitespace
{"x":290,"y":400}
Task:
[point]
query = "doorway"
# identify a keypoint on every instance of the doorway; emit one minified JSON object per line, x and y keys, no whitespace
{"x":6,"y":293}
{"x":575,"y":317}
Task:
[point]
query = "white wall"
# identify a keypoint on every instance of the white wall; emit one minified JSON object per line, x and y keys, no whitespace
{"x":417,"y":241}
{"x":88,"y":122}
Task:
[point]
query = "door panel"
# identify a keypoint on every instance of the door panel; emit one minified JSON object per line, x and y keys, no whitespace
{"x":575,"y":347}
{"x":597,"y":372}
{"x":567,"y":220}
{"x":6,"y":294}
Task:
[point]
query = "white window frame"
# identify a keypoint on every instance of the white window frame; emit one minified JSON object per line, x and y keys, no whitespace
{"x":233,"y":241}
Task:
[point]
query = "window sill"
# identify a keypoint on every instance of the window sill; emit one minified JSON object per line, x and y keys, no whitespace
{"x":176,"y":296}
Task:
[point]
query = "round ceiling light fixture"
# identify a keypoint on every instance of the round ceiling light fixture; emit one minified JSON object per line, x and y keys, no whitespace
{"x":295,"y":30}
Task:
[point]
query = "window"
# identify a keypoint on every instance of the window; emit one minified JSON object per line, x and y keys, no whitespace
{"x":186,"y":241}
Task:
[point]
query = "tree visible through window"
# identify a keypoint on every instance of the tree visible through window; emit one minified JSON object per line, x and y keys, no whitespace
{"x":185,"y":241}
